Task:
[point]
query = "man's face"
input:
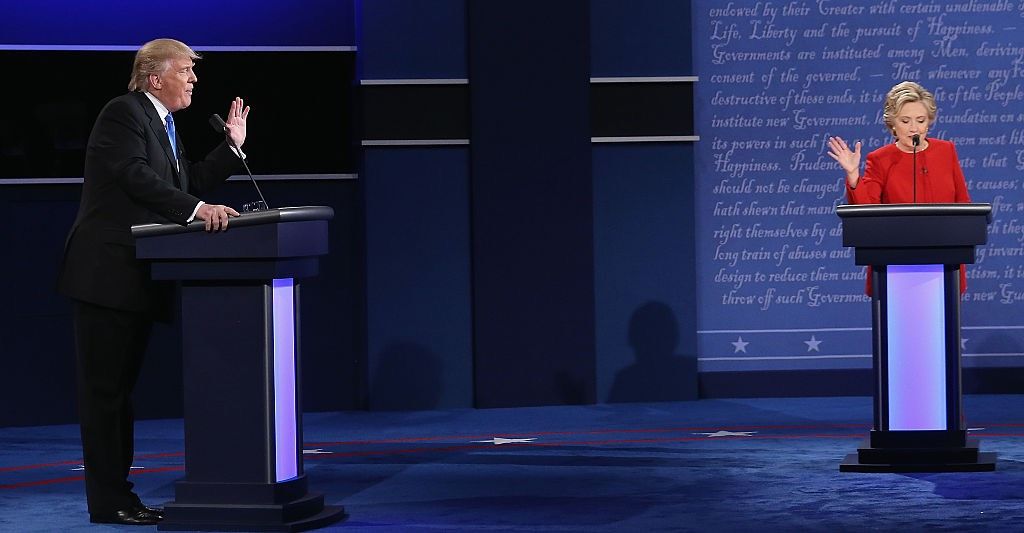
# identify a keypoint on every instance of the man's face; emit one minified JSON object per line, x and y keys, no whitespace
{"x":173,"y":87}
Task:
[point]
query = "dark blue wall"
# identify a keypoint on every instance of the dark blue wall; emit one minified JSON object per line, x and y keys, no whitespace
{"x":417,"y":221}
{"x":640,"y":38}
{"x":412,"y":39}
{"x":533,"y":282}
{"x":572,"y":247}
{"x":419,"y":343}
{"x":37,"y":383}
{"x":197,"y":22}
{"x":36,"y":347}
{"x":643,"y":263}
{"x":526,"y":268}
{"x":644,"y":251}
{"x":577,"y":261}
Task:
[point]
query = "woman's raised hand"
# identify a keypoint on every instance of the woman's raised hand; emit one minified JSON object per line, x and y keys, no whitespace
{"x":848,"y":159}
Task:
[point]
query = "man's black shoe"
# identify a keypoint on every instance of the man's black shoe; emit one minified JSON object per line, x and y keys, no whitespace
{"x":155,"y":511}
{"x":129,"y":517}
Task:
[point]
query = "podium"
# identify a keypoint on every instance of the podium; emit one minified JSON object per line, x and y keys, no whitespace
{"x":240,"y":325}
{"x":915,"y":251}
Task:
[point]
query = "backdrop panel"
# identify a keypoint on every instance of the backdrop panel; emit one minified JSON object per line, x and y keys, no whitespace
{"x":777,"y":289}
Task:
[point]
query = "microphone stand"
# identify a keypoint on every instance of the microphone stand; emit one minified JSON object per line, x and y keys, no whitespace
{"x":249,"y":172}
{"x":219,"y":125}
{"x":917,"y":140}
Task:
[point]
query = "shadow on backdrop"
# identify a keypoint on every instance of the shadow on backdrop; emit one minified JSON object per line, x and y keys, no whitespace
{"x":407,"y":377}
{"x":658,"y":374}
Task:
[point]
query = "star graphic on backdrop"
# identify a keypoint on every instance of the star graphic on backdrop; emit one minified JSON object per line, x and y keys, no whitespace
{"x":314,"y":451}
{"x":498,"y":441}
{"x":963,"y":343}
{"x":82,"y":467}
{"x":739,"y":345}
{"x":724,"y":433}
{"x":812,"y":345}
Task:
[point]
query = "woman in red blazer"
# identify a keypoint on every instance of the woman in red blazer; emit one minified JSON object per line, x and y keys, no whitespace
{"x":889,"y":175}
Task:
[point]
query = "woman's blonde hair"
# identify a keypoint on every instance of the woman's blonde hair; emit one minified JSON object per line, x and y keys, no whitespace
{"x":154,"y":58}
{"x":903,"y":93}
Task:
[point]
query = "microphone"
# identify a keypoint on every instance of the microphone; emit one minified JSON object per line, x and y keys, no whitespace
{"x":916,"y":141}
{"x":218,"y":124}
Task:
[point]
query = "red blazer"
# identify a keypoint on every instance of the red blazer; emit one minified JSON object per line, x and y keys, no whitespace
{"x":889,"y":179}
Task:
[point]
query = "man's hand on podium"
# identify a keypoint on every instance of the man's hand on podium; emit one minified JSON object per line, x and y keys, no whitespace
{"x":216,"y":216}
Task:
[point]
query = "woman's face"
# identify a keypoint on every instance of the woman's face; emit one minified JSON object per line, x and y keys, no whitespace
{"x":910,"y":120}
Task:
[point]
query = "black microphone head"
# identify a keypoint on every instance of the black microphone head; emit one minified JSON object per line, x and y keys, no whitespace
{"x":915,"y":138}
{"x":218,"y":123}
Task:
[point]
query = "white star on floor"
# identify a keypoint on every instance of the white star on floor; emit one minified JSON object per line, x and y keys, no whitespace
{"x":498,"y":441}
{"x":739,"y":345}
{"x":315,"y":451}
{"x":724,"y":433}
{"x":812,"y":345}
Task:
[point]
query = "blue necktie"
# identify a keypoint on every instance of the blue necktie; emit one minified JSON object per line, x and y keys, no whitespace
{"x":172,"y":136}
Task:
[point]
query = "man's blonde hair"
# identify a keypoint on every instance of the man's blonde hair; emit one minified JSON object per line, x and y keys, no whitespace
{"x":154,"y":58}
{"x":904,"y":93}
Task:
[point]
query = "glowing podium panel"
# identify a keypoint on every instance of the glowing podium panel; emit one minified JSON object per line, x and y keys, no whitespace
{"x":240,"y":344}
{"x":915,"y":252}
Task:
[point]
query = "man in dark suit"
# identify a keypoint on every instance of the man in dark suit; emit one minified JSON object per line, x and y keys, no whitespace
{"x":136,"y":172}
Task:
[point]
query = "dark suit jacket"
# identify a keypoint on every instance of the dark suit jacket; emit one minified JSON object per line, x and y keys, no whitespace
{"x":130,"y":178}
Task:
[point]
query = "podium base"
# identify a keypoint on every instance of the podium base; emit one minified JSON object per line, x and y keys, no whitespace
{"x":894,"y":452}
{"x":986,"y":463}
{"x":304,"y":514}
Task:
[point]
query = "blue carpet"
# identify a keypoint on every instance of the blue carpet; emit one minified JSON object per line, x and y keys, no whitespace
{"x":710,"y":465}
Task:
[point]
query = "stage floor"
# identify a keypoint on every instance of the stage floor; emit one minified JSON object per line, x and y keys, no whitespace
{"x":709,"y":465}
